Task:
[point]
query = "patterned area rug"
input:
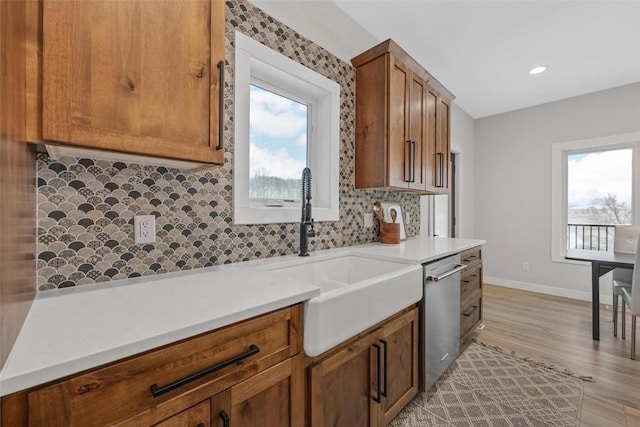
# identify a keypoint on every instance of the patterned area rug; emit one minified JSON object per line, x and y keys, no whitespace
{"x":486,"y":387}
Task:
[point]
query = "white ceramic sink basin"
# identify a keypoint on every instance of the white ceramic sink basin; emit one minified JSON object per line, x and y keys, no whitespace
{"x":356,"y":293}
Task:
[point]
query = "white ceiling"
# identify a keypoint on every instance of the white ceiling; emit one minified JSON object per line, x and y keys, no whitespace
{"x":482,"y":50}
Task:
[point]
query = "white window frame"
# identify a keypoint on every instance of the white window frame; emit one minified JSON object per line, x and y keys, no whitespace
{"x":559,"y":154}
{"x":255,"y":64}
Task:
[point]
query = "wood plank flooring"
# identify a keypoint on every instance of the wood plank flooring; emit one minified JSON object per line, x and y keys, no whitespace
{"x":558,"y":331}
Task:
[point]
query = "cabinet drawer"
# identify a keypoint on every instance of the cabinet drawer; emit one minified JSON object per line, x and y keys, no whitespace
{"x":126,"y":389}
{"x":471,"y":256}
{"x":470,"y":315}
{"x":470,"y":282}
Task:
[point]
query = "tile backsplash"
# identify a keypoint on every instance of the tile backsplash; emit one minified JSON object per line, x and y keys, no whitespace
{"x":86,"y":207}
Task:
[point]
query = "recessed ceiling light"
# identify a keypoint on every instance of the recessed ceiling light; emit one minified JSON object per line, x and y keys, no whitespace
{"x":537,"y":70}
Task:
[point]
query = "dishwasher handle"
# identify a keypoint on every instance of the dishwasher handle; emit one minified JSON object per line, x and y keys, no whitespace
{"x":436,"y":278}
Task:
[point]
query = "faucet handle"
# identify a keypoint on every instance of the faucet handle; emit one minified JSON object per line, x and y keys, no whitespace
{"x":312,"y":232}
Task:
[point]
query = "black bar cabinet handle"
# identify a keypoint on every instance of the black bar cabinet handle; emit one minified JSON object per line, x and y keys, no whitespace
{"x":158,"y":391}
{"x":413,"y":161}
{"x":379,"y":368}
{"x":220,"y":145}
{"x":471,"y":258}
{"x":226,"y":421}
{"x":408,"y":166}
{"x":386,"y":368}
{"x":201,"y":425}
{"x":470,"y":279}
{"x":441,"y":170}
{"x":470,"y":311}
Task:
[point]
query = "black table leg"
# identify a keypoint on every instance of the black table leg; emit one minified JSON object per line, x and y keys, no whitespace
{"x":595,"y":299}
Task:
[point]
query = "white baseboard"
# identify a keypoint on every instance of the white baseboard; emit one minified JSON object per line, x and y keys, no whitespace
{"x":544,"y":289}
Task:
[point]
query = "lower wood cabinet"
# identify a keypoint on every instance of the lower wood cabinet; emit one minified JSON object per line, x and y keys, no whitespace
{"x":470,"y":292}
{"x":367,"y":381}
{"x":246,"y":374}
{"x":197,"y":416}
{"x":273,"y":398}
{"x":343,"y":386}
{"x":250,"y":374}
{"x":399,"y":340}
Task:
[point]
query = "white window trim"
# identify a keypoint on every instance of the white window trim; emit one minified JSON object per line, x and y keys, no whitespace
{"x":252,"y":59}
{"x":559,"y":153}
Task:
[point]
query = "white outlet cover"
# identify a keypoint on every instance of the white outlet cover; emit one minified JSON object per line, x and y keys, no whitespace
{"x":144,"y":229}
{"x":368,"y":220}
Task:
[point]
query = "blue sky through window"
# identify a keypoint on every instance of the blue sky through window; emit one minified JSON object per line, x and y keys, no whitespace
{"x":278,"y":144}
{"x":592,"y":176}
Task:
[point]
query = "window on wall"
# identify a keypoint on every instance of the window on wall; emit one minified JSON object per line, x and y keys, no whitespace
{"x":594,"y":188}
{"x":287,"y":117}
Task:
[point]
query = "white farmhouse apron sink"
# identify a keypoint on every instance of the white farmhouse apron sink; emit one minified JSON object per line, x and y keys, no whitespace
{"x":356,"y":293}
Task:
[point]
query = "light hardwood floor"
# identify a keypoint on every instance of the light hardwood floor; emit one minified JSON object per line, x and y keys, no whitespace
{"x":558,"y":331}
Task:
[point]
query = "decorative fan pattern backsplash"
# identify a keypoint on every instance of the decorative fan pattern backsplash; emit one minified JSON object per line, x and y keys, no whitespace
{"x":86,"y":207}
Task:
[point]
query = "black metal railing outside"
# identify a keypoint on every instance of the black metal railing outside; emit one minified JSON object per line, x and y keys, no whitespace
{"x":598,"y":237}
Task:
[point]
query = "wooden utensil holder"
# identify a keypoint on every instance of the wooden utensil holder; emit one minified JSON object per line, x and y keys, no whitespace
{"x":390,"y":233}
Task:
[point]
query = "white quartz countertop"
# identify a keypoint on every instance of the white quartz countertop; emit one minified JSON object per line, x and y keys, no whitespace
{"x":419,"y":250}
{"x":74,"y":329}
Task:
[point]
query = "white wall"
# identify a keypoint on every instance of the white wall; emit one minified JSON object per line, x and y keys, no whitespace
{"x":463,"y":142}
{"x":513,"y":183}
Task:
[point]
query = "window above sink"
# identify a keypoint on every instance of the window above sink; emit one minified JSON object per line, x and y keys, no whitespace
{"x":287,"y":117}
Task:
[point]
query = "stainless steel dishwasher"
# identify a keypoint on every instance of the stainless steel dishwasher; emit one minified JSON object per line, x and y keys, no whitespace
{"x":440,"y":318}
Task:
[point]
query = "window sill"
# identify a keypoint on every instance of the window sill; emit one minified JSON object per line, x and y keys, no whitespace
{"x":277,"y":215}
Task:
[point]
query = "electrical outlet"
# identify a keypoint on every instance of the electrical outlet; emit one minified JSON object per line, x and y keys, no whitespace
{"x":368,"y":220}
{"x":145,"y":229}
{"x":407,"y":217}
{"x":525,"y":267}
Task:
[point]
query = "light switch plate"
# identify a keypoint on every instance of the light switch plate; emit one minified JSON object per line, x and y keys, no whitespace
{"x":144,"y":229}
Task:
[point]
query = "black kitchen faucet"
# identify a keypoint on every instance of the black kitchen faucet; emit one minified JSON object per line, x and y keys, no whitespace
{"x":306,"y":223}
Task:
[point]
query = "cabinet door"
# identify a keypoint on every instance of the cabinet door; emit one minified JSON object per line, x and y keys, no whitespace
{"x":273,"y":398}
{"x":399,"y":340}
{"x":134,"y":76}
{"x":437,"y":147}
{"x":443,"y":148}
{"x":196,"y":416}
{"x":343,"y":387}
{"x":399,"y":169}
{"x":431,"y":169}
{"x":417,"y":133}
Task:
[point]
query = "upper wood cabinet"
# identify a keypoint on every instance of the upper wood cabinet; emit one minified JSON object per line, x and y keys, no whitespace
{"x":134,"y":76}
{"x":407,"y":131}
{"x":443,"y":145}
{"x":402,"y":123}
